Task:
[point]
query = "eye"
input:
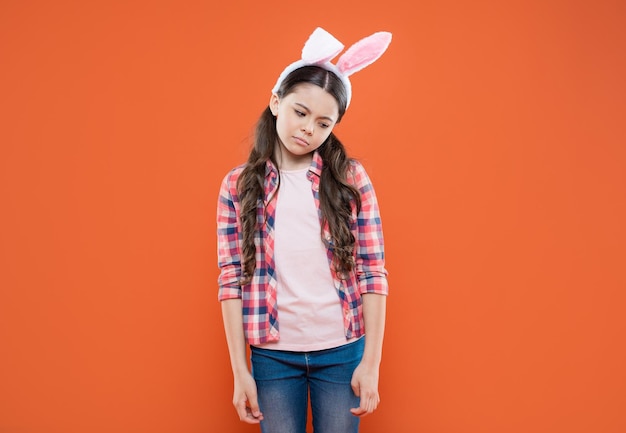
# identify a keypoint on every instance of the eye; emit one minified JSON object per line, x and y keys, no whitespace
{"x":299,"y":113}
{"x":324,"y":125}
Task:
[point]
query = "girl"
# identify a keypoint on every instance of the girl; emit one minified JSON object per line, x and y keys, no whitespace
{"x":300,"y":249}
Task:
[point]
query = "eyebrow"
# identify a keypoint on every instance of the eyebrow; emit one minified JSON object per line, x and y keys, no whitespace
{"x":307,"y":109}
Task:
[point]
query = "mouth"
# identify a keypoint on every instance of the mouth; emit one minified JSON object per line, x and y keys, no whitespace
{"x":301,"y":141}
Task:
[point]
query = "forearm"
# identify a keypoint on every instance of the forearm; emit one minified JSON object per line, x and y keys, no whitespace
{"x":374,"y":311}
{"x":233,"y":325}
{"x":245,"y":392}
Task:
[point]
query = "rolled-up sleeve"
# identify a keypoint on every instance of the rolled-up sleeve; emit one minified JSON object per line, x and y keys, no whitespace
{"x":370,"y":246}
{"x":228,"y":250}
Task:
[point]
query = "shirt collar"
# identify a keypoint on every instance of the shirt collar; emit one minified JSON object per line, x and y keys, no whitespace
{"x":316,"y":164}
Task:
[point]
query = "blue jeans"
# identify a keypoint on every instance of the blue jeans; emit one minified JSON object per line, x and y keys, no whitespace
{"x":284,"y":380}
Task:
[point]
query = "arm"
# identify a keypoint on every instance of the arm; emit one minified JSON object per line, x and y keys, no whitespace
{"x":244,"y":385}
{"x":372,"y":277}
{"x":230,"y":294}
{"x":365,"y":376}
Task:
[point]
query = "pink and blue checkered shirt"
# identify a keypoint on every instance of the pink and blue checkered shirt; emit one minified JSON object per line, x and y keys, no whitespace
{"x":260,"y":306}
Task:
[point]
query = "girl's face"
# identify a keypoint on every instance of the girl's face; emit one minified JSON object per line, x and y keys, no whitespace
{"x":304,"y":120}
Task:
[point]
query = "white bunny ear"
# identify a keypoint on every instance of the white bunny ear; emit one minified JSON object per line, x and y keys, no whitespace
{"x":364,"y":53}
{"x":321,"y":47}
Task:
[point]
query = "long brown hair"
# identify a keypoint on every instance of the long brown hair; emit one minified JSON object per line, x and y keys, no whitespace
{"x":337,"y":196}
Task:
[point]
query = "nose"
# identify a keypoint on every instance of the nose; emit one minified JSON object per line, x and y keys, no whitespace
{"x":307,"y":128}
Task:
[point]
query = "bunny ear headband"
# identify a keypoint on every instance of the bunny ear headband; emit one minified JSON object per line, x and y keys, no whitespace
{"x":322,"y":47}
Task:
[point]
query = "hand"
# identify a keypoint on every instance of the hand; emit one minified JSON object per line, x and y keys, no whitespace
{"x":365,"y":385}
{"x":245,"y":399}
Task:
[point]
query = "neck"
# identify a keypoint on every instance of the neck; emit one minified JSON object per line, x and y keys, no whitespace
{"x":286,"y":161}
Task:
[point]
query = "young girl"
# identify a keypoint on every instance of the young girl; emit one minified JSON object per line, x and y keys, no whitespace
{"x":300,"y":249}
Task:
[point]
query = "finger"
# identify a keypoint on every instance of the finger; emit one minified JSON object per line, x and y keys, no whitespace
{"x":253,"y":401}
{"x":248,"y":417}
{"x":245,"y":413}
{"x":356,"y":389}
{"x":252,"y":419}
{"x":254,"y":406}
{"x":358,"y":411}
{"x":367,"y":406}
{"x":240,"y":407}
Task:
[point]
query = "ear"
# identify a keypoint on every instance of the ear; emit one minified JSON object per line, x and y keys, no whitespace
{"x":274,"y":104}
{"x":364,"y":53}
{"x":321,"y":47}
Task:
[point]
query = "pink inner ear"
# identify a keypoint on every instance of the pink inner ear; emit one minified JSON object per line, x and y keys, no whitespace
{"x":321,"y":47}
{"x":364,"y":53}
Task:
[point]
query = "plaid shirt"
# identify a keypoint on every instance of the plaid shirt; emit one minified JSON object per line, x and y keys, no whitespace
{"x":260,"y":306}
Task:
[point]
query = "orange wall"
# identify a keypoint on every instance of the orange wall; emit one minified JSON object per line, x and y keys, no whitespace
{"x":494,"y":132}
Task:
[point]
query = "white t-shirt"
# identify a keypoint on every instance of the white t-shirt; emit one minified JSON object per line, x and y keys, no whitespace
{"x":309,"y":311}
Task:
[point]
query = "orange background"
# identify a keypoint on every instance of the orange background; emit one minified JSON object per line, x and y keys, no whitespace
{"x":493,"y":130}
